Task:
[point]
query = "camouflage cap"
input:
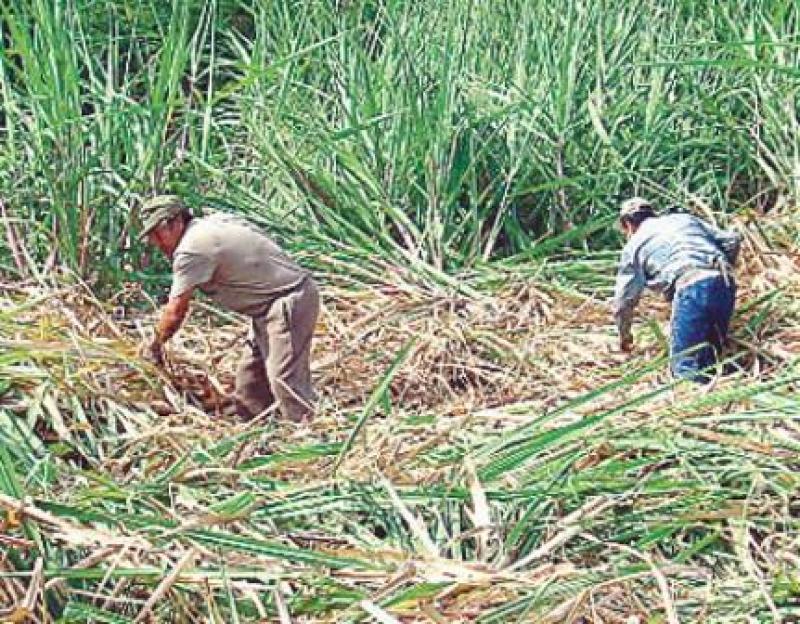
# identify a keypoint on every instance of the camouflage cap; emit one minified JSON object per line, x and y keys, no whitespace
{"x":158,"y":209}
{"x":634,"y":206}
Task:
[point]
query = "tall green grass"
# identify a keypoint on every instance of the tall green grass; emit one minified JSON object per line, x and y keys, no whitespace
{"x":439,"y":134}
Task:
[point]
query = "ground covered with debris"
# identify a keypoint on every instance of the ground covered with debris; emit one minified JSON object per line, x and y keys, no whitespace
{"x":481,"y":452}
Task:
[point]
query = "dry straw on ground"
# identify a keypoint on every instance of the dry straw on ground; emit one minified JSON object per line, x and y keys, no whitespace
{"x":516,"y":465}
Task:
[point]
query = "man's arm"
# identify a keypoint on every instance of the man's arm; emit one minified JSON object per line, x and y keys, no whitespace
{"x":172,"y":316}
{"x":170,"y":320}
{"x":189,"y":270}
{"x":729,"y":241}
{"x":627,"y":292}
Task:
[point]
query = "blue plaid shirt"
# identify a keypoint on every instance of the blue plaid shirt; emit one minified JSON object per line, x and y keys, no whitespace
{"x":663,"y":249}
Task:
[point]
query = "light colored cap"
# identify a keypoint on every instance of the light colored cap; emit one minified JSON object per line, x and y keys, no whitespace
{"x":633,"y":206}
{"x":158,"y":209}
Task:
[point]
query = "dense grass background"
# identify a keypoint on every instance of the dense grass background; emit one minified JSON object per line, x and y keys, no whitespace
{"x":446,"y":133}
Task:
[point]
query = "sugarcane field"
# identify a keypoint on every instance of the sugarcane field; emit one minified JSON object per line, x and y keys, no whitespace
{"x":399,"y":312}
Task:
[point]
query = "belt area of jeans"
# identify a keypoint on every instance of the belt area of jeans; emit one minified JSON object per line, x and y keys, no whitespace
{"x":696,"y":275}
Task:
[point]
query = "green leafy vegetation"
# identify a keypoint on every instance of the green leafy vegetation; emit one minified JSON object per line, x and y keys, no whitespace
{"x":437,"y":135}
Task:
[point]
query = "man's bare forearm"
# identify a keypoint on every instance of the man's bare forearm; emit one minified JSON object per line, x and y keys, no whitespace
{"x":172,"y":316}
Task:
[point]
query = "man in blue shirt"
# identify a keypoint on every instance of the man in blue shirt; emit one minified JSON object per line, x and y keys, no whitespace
{"x":691,"y":263}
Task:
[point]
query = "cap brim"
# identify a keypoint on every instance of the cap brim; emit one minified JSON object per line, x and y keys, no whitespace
{"x":146,"y":232}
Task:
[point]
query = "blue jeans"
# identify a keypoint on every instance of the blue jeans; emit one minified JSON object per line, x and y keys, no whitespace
{"x":701,"y":313}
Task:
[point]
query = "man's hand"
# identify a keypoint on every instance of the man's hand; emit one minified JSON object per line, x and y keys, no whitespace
{"x":626,"y":343}
{"x":153,"y":352}
{"x":171,"y":317}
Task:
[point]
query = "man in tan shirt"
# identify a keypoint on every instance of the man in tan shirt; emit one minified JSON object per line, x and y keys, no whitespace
{"x":240,"y":268}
